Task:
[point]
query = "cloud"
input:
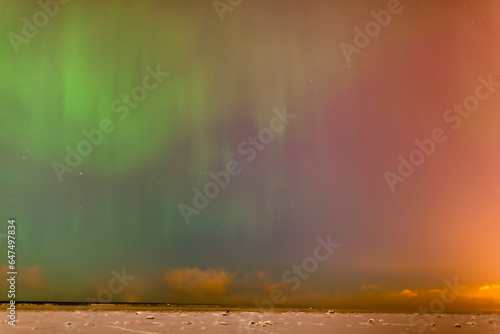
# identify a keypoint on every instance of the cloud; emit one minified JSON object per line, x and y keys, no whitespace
{"x":489,"y":291}
{"x":222,"y":286}
{"x":408,"y":293}
{"x":28,"y":278}
{"x":194,"y":281}
{"x":434,"y":291}
{"x":488,"y":287}
{"x":195,"y":285}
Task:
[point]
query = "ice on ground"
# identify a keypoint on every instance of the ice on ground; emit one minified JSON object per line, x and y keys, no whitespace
{"x":150,"y":322}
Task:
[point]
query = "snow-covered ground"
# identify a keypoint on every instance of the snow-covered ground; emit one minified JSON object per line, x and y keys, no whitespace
{"x":102,"y":322}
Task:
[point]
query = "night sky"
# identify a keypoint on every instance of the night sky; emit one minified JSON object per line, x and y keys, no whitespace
{"x":203,"y":148}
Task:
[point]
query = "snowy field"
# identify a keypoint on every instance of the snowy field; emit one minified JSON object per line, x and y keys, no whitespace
{"x":104,"y":322}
